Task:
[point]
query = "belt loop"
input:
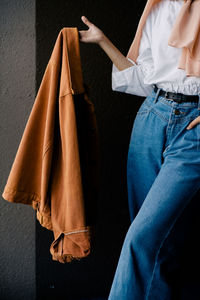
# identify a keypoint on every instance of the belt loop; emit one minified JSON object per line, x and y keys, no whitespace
{"x":157,"y":95}
{"x":199,"y":102}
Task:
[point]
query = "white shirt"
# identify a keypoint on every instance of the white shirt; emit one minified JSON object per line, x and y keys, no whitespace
{"x":157,"y":62}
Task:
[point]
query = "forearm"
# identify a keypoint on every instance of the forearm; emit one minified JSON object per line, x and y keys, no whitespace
{"x":120,"y":61}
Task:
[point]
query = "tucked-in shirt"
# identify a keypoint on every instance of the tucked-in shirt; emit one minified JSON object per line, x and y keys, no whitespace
{"x":157,"y":62}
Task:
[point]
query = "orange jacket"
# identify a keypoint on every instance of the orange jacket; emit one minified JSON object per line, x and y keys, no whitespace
{"x":56,"y":168}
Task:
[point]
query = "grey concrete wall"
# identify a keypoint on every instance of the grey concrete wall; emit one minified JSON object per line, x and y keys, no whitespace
{"x":17,"y":93}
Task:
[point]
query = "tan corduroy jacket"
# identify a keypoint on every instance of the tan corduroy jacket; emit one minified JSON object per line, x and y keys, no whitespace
{"x":56,"y":168}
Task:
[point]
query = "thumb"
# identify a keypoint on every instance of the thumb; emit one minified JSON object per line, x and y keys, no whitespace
{"x":86,"y":21}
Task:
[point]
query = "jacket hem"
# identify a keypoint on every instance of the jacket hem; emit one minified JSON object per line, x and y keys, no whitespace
{"x":44,"y":220}
{"x":31,"y":199}
{"x":16,"y":196}
{"x":76,"y":241}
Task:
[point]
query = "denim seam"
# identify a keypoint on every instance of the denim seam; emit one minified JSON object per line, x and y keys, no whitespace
{"x":183,"y":119}
{"x":162,"y":242}
{"x":147,"y":104}
{"x":164,"y":100}
{"x":168,"y":134}
{"x":178,"y":119}
{"x":151,"y":109}
{"x":198,"y":138}
{"x":156,"y":113}
{"x":146,"y":109}
{"x":143,"y":112}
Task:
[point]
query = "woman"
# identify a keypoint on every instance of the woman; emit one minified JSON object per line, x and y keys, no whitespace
{"x":163,"y":166}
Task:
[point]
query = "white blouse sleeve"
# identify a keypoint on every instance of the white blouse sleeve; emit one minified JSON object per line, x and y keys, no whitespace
{"x":132,"y":79}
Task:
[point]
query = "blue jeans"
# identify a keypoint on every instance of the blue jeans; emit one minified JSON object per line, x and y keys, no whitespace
{"x":163,"y":175}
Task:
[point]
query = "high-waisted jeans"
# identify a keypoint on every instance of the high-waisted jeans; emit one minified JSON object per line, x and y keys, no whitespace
{"x":163,"y":175}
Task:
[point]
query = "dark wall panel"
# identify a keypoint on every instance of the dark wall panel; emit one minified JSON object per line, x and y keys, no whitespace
{"x":92,"y":277}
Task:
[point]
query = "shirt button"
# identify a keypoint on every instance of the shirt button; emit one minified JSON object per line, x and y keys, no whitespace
{"x":177,"y":112}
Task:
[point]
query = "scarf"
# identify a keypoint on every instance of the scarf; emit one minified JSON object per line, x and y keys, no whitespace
{"x":185,"y":34}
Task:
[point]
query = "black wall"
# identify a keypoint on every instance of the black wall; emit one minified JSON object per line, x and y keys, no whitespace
{"x":115,"y":112}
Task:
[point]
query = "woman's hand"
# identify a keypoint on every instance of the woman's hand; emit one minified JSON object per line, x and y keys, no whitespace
{"x":95,"y":35}
{"x":193,"y":123}
{"x":92,"y":35}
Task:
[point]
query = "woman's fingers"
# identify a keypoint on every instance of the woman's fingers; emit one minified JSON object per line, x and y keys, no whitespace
{"x":91,"y":35}
{"x":82,"y":35}
{"x":86,"y":21}
{"x":193,"y":123}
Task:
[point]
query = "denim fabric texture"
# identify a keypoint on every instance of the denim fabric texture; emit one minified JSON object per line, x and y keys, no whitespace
{"x":163,"y":175}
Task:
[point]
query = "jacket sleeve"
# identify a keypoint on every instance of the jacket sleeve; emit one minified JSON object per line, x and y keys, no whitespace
{"x":30,"y":167}
{"x":132,"y":80}
{"x":72,"y":231}
{"x":72,"y":235}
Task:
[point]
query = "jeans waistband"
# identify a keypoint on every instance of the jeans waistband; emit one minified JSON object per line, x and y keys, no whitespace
{"x":177,"y":97}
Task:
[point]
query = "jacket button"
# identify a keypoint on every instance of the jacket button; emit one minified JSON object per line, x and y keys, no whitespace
{"x":177,"y":112}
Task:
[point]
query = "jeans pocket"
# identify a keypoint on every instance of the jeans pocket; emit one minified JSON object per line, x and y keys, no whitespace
{"x":196,"y":112}
{"x":192,"y":135}
{"x":143,"y":111}
{"x":144,"y":107}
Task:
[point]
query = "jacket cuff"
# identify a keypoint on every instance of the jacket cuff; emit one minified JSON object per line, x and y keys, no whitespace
{"x":44,"y":219}
{"x":72,"y":245}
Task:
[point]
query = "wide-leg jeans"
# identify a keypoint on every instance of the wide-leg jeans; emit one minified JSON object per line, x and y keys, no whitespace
{"x":163,"y":175}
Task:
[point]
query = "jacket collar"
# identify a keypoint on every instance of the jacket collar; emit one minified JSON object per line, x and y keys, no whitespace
{"x":71,"y":74}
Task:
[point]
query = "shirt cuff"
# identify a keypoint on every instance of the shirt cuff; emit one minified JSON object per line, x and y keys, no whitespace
{"x":120,"y":79}
{"x":116,"y":70}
